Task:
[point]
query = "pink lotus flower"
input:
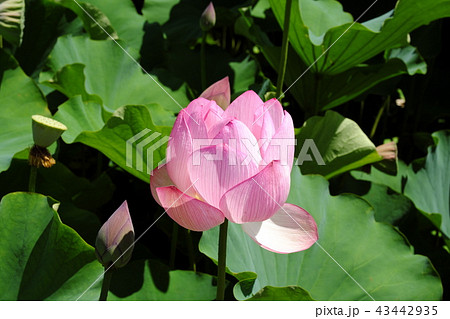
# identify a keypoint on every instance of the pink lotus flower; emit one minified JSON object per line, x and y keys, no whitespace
{"x":234,"y":164}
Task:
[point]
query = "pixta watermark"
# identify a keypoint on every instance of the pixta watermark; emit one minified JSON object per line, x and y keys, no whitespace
{"x":141,"y":147}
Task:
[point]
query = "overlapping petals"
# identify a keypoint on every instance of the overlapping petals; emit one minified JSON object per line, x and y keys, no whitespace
{"x":234,"y":164}
{"x":239,"y":137}
{"x":160,"y":178}
{"x":257,"y":198}
{"x":216,"y":176}
{"x":281,"y":146}
{"x":178,"y":151}
{"x":189,"y":212}
{"x":245,"y":108}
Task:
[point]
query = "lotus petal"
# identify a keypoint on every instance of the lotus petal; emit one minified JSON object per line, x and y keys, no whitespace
{"x":289,"y":230}
{"x":259,"y":197}
{"x":189,"y":212}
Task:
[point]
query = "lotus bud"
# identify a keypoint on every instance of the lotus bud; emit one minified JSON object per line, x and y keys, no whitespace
{"x":401,"y":101}
{"x":219,"y":92}
{"x":208,"y":18}
{"x":388,"y":151}
{"x":115,"y":240}
{"x":46,"y":130}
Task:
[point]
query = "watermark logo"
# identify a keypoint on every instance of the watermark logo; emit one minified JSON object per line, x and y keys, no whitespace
{"x":304,"y":156}
{"x":140,"y":146}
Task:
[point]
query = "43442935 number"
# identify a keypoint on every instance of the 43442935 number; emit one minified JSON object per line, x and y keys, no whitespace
{"x":407,"y":310}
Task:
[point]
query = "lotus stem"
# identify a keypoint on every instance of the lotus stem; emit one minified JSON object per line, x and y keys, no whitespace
{"x":105,"y":285}
{"x":1,"y":41}
{"x":361,"y":111}
{"x":203,"y":60}
{"x":317,"y":82}
{"x":284,"y":49}
{"x":222,"y":261}
{"x":173,"y":246}
{"x":380,"y":113}
{"x":32,"y":182}
{"x":191,"y":251}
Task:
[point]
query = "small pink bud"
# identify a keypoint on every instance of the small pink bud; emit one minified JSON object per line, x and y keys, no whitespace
{"x":208,"y":18}
{"x":219,"y":92}
{"x":388,"y":151}
{"x":114,"y":243}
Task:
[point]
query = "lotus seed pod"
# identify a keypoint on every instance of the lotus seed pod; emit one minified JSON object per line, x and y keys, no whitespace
{"x":115,"y":240}
{"x":46,"y":130}
{"x":208,"y":18}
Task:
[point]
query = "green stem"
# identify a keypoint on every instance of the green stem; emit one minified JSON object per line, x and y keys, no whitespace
{"x":317,"y":82}
{"x":424,"y":83}
{"x":191,"y":251}
{"x":203,"y":61}
{"x":32,"y":182}
{"x":105,"y":285}
{"x":173,"y":245}
{"x":83,"y":160}
{"x":1,"y":42}
{"x":99,"y":165}
{"x":222,"y":261}
{"x":284,"y":49}
{"x":380,"y":113}
{"x":361,"y":111}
